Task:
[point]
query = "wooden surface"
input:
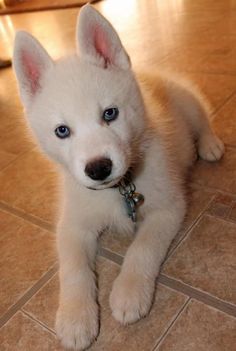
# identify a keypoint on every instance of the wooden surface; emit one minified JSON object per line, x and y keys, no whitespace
{"x":16,"y":6}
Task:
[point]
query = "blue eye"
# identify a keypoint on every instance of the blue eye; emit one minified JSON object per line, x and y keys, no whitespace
{"x":62,"y":132}
{"x":110,"y":114}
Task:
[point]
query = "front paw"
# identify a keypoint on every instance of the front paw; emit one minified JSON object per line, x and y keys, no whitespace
{"x":77,"y":325}
{"x":131,"y":297}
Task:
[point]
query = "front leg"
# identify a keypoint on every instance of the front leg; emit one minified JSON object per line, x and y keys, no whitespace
{"x":133,"y":290}
{"x":77,"y":317}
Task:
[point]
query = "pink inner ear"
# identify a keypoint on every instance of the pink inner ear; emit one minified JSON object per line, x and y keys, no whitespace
{"x":32,"y":71}
{"x":101,"y":44}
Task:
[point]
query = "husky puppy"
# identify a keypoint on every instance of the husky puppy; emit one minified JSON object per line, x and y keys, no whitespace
{"x":111,"y":134}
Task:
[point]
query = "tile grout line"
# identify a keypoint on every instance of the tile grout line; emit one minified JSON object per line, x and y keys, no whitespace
{"x":118,"y":259}
{"x":17,"y":158}
{"x":231,"y":74}
{"x":207,"y":187}
{"x":197,"y":186}
{"x":41,"y":287}
{"x":194,"y":71}
{"x":171,"y":324}
{"x":230,"y":146}
{"x":190,"y":228}
{"x":228,"y":216}
{"x":213,"y":114}
{"x":38,"y":322}
{"x":47,"y":226}
{"x":225,"y":217}
{"x":28,"y":294}
{"x":185,"y":236}
{"x":110,"y":255}
{"x":198,"y":295}
{"x":28,"y":217}
{"x":227,"y":220}
{"x":181,"y":287}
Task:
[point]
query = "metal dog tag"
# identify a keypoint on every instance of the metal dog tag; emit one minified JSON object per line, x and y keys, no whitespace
{"x":138,"y":199}
{"x":131,"y":198}
{"x":131,"y":208}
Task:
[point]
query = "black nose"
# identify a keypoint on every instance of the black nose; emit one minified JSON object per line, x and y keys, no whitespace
{"x":99,"y":169}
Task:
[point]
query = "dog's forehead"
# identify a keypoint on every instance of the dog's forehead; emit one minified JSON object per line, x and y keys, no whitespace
{"x":81,"y":79}
{"x":75,"y":88}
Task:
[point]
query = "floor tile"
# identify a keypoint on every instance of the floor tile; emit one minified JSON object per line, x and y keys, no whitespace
{"x":144,"y":334}
{"x":44,"y":304}
{"x":136,"y":34}
{"x":115,"y":242}
{"x":232,"y":214}
{"x":128,"y":21}
{"x":206,"y":259}
{"x":224,"y":28}
{"x":222,"y":63}
{"x":207,"y":44}
{"x":194,"y":25}
{"x":167,"y":304}
{"x":198,"y":200}
{"x":132,"y":21}
{"x":221,"y":206}
{"x":219,"y":175}
{"x":209,"y":5}
{"x":30,"y":184}
{"x":26,"y":253}
{"x":192,"y":53}
{"x":38,"y":5}
{"x":182,"y":60}
{"x":224,"y":122}
{"x":201,"y":328}
{"x":14,"y":139}
{"x":216,"y":88}
{"x":23,"y":334}
{"x":48,"y":35}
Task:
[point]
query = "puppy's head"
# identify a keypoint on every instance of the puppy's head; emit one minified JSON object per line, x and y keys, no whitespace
{"x":86,"y":111}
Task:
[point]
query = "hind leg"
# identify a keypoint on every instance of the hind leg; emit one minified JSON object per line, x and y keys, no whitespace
{"x":196,"y":111}
{"x":210,"y":147}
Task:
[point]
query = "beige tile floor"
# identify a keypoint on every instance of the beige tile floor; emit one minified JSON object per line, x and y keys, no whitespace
{"x":195,"y":300}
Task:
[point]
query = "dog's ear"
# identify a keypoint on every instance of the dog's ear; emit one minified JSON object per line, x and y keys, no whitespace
{"x":97,"y":40}
{"x":30,"y":62}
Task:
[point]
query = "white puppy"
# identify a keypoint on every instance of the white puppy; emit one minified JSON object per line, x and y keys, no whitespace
{"x":110,"y":133}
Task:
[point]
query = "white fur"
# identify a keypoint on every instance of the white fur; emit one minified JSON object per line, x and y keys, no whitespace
{"x":154,"y":132}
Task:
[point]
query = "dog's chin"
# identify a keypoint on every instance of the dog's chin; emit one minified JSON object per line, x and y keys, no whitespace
{"x":105,"y":185}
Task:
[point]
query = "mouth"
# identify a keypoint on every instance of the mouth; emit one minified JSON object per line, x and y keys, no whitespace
{"x":112,"y":183}
{"x":107,"y":185}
